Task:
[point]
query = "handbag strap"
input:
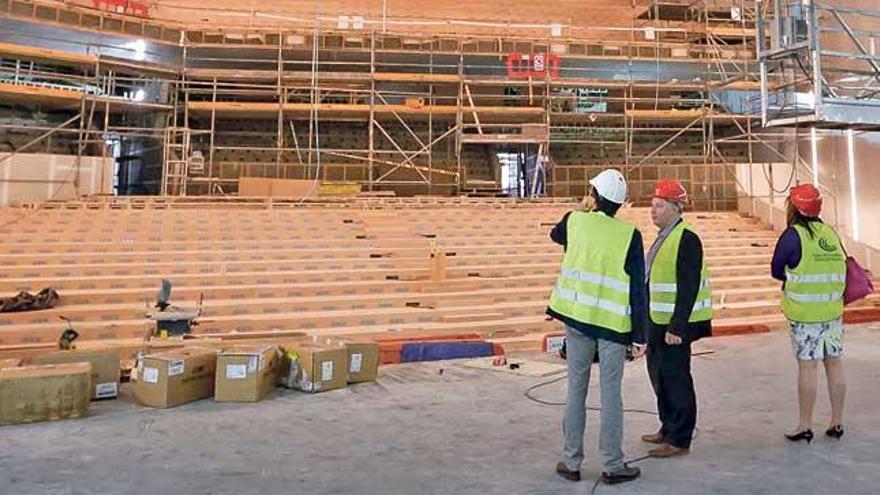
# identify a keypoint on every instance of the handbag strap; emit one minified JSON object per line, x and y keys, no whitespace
{"x":845,"y":254}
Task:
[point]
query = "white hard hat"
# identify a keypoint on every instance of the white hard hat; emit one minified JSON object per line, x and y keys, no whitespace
{"x":611,"y":185}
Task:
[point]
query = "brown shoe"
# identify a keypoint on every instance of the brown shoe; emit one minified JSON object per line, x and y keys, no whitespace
{"x":566,"y":473}
{"x":653,"y":438}
{"x":666,"y":450}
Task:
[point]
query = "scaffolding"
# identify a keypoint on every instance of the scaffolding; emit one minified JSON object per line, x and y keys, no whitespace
{"x":819,"y":65}
{"x":430,"y":114}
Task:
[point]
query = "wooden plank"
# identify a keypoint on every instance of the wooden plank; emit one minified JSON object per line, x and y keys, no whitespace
{"x":39,"y":95}
{"x":415,"y":77}
{"x":361,"y":111}
{"x":47,"y":55}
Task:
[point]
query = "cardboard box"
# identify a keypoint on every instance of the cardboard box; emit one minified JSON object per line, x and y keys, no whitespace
{"x":363,"y":361}
{"x":321,"y":368}
{"x":175,"y":377}
{"x":44,"y":393}
{"x":246,"y":373}
{"x":105,"y":368}
{"x":10,"y":363}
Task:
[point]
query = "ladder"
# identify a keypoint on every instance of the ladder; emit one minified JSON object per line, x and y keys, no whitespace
{"x":175,"y":164}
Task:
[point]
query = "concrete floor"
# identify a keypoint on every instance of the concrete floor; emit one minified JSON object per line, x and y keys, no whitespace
{"x":464,"y":431}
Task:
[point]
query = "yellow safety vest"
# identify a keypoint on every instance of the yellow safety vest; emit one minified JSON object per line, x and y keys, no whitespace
{"x":593,"y":287}
{"x":663,"y":282}
{"x":814,"y":289}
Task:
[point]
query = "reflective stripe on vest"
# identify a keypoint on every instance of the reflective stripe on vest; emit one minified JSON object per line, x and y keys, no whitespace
{"x":813,"y":279}
{"x":605,"y":281}
{"x":583,"y":299}
{"x":670,"y":307}
{"x":704,"y":284}
{"x":663,"y":282}
{"x":593,"y":286}
{"x":813,"y":297}
{"x":814,"y":289}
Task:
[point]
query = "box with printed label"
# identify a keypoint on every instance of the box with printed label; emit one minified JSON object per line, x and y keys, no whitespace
{"x":175,"y":377}
{"x":363,"y":361}
{"x":105,"y":368}
{"x":10,"y":363}
{"x":246,"y":373}
{"x":44,"y":393}
{"x":321,"y":368}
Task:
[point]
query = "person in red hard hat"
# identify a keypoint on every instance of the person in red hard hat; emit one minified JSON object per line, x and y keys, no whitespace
{"x":810,"y":261}
{"x":680,"y":312}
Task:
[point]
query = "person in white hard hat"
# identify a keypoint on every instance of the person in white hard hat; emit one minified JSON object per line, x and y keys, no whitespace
{"x":600,"y":297}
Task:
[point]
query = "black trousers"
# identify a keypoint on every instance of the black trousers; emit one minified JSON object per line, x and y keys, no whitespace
{"x":669,"y":367}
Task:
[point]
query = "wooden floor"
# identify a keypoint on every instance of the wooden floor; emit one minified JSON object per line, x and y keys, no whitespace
{"x":351,"y":268}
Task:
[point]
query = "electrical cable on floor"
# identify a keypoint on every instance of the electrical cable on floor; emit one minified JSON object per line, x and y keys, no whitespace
{"x":627,"y":463}
{"x":528,"y":395}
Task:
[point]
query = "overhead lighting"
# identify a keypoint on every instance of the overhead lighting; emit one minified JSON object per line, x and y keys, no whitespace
{"x":139,"y":47}
{"x":853,"y":201}
{"x":815,"y":154}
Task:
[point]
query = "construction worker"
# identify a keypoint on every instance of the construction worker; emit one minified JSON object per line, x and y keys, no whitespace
{"x":680,"y":309}
{"x":600,"y":297}
{"x":810,"y":260}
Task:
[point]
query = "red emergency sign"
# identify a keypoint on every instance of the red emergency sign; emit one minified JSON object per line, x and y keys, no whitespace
{"x":525,"y":65}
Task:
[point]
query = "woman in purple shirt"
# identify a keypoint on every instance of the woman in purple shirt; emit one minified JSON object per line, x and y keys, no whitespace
{"x":809,"y":260}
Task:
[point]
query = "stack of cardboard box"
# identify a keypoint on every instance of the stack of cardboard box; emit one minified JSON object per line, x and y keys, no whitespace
{"x":56,"y":385}
{"x":59,"y":384}
{"x":248,"y":373}
{"x":105,"y":368}
{"x":44,"y":393}
{"x":322,"y":366}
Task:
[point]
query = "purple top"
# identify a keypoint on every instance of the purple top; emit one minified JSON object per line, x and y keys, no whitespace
{"x":786,"y":254}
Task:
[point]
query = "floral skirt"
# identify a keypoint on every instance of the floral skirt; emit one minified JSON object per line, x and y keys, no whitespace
{"x":817,"y":340}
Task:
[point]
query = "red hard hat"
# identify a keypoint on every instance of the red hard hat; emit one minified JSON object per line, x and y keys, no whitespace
{"x":671,"y":190}
{"x":807,"y":199}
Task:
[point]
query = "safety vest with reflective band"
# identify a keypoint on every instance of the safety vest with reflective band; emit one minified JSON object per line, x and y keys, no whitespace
{"x":593,"y":286}
{"x":663,"y":282}
{"x":814,"y":289}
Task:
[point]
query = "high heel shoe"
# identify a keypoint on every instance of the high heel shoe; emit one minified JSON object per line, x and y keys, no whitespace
{"x":835,"y":431}
{"x":803,"y":435}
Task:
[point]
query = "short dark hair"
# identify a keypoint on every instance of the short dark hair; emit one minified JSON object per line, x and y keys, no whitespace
{"x":607,"y":207}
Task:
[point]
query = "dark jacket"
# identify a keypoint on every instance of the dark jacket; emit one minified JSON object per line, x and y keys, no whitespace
{"x":635,"y":268}
{"x":688,"y":266}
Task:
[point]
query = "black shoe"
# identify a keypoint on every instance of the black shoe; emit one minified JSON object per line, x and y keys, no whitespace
{"x":566,"y":473}
{"x":621,"y":476}
{"x":835,"y":431}
{"x":804,"y":435}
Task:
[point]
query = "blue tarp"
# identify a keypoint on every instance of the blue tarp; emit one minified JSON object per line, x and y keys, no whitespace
{"x":435,"y":351}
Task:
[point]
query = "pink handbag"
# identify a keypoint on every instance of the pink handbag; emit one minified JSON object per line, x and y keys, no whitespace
{"x":858,"y":282}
